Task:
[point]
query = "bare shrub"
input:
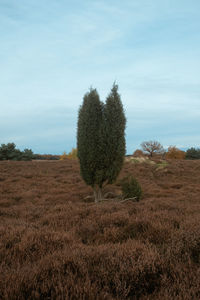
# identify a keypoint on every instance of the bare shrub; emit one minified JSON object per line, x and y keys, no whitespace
{"x":152,"y":147}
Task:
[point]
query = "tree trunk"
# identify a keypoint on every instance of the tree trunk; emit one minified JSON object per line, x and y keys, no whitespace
{"x":97,"y":194}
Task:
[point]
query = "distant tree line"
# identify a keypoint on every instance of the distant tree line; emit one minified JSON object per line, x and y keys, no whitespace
{"x":155,"y":149}
{"x":193,"y":153}
{"x":151,"y":148}
{"x":46,"y":157}
{"x":10,"y":152}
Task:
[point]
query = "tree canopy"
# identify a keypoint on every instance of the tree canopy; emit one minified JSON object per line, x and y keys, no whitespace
{"x":152,"y":147}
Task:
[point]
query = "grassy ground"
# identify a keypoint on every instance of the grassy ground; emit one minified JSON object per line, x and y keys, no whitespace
{"x":53,"y":245}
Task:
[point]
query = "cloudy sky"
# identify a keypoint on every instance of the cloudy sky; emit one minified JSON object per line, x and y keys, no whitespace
{"x":52,"y":51}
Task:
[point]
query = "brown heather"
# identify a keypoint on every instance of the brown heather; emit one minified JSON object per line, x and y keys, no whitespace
{"x":55,"y":245}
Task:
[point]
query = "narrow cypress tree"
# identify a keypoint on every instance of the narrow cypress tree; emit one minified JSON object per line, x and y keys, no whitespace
{"x":89,"y":142}
{"x":101,"y":139}
{"x":114,"y":134}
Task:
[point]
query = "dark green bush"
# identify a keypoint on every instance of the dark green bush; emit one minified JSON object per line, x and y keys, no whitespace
{"x":27,"y":154}
{"x":131,"y":188}
{"x":9,"y":152}
{"x":193,"y":153}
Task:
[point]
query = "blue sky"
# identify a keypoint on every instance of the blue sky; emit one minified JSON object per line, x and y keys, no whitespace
{"x":52,"y":51}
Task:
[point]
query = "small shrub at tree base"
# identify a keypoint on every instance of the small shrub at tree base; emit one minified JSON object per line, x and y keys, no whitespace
{"x":131,"y":188}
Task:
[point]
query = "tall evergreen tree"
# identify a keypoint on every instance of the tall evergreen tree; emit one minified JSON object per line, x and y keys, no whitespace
{"x":101,"y":139}
{"x":89,"y":142}
{"x":114,"y":128}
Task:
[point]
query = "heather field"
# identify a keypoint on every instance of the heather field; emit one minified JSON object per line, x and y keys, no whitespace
{"x":57,"y":244}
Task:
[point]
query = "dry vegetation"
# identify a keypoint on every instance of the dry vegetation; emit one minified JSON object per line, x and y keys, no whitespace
{"x":53,"y":245}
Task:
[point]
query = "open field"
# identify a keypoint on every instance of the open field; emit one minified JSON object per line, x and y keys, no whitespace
{"x":54,"y":245}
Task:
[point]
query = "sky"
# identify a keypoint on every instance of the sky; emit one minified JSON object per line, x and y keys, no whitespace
{"x":53,"y":51}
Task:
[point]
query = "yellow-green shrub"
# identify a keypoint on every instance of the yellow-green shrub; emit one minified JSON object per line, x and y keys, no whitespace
{"x":64,"y":156}
{"x":72,"y":154}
